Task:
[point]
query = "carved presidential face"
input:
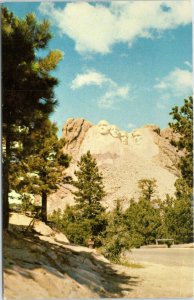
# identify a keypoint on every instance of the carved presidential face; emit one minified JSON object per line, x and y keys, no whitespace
{"x":124,"y":137}
{"x":114,"y":131}
{"x":103,"y":127}
{"x":136,"y":136}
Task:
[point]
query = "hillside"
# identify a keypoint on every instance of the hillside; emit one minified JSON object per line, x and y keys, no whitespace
{"x":41,"y":264}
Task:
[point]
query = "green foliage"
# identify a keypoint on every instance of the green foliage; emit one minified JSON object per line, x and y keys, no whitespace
{"x":143,"y":221}
{"x":177,"y":219}
{"x":182,"y":189}
{"x":43,"y":169}
{"x":25,"y":86}
{"x":90,"y":189}
{"x":87,"y":218}
{"x":27,"y":204}
{"x":27,"y":93}
{"x":143,"y":218}
{"x":50,"y":61}
{"x":132,"y":265}
{"x":116,"y":236}
{"x":88,"y":196}
{"x":78,"y":229}
{"x":56,"y":218}
{"x":183,"y":125}
{"x":147,"y":188}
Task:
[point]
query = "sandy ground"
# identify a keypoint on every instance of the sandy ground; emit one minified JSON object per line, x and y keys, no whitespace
{"x":159,"y":281}
{"x":180,"y":257}
{"x":43,"y":265}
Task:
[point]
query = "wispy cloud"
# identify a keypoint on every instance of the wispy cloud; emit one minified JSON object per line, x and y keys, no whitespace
{"x":110,"y":97}
{"x":188,"y":64}
{"x":96,"y":28}
{"x":114,"y":92}
{"x":131,"y":125}
{"x":177,"y":83}
{"x":90,"y":77}
{"x":161,"y":106}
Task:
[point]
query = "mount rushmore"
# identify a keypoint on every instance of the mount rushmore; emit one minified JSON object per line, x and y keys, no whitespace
{"x":122,"y":157}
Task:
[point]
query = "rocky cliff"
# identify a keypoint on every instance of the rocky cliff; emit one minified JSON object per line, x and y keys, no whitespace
{"x":123,"y":158}
{"x":74,"y":132}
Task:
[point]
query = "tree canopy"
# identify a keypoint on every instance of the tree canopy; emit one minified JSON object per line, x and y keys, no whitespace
{"x":42,"y":171}
{"x":86,"y":219}
{"x":180,"y":213}
{"x":183,"y":125}
{"x":89,"y":185}
{"x":27,"y":86}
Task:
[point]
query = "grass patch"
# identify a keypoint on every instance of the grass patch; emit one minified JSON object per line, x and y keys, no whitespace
{"x":132,"y":265}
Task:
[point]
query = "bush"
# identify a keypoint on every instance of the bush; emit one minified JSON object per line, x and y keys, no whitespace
{"x":78,"y":229}
{"x":116,"y":237}
{"x":143,"y":221}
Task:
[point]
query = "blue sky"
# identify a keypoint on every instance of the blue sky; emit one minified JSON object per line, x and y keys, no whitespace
{"x":126,"y":62}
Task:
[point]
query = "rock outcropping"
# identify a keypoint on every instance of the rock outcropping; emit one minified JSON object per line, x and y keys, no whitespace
{"x":39,"y":263}
{"x":74,"y":132}
{"x":123,"y":158}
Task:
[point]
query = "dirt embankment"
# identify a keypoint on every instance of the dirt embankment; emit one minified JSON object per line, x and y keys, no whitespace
{"x":41,"y":264}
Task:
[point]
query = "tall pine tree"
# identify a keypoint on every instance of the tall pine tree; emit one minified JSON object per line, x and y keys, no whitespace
{"x":27,"y":86}
{"x":89,"y":194}
{"x":183,"y":125}
{"x":180,"y":214}
{"x":90,"y":189}
{"x":43,"y":170}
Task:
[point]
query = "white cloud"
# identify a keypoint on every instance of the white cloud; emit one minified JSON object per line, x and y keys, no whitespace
{"x":161,"y":106}
{"x":131,"y":125}
{"x":113,"y":93}
{"x":177,"y":83}
{"x":188,"y":64}
{"x":90,"y":78}
{"x":96,"y":28}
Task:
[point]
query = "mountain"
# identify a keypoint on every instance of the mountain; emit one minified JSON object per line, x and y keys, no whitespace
{"x":123,"y":158}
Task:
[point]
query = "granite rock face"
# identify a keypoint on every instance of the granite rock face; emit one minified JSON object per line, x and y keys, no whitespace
{"x":74,"y":132}
{"x":123,"y":159}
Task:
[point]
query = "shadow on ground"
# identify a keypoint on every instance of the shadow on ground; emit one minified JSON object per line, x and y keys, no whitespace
{"x":25,"y":251}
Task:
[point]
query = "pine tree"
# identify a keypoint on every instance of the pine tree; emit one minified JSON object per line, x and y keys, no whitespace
{"x":43,"y":170}
{"x":143,"y":221}
{"x":177,"y":221}
{"x":116,"y":237}
{"x":27,"y":87}
{"x":180,"y":214}
{"x":89,"y":194}
{"x":147,"y":188}
{"x":142,"y":217}
{"x":90,"y":189}
{"x":183,"y":125}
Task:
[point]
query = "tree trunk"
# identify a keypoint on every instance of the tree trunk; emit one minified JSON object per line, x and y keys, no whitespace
{"x":6,"y":168}
{"x":44,"y":207}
